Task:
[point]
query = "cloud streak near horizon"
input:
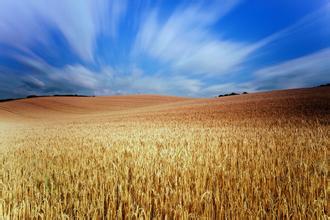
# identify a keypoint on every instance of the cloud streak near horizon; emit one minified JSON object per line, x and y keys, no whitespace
{"x":112,"y":47}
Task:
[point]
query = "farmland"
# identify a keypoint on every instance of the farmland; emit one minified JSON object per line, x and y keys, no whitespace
{"x":159,"y":157}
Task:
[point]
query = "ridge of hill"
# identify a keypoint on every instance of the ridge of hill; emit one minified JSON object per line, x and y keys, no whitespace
{"x":284,"y":103}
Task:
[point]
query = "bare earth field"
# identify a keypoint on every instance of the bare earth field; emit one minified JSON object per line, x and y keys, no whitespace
{"x":263,"y":155}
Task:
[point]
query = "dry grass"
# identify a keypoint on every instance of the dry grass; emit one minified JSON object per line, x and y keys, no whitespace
{"x":236,"y":157}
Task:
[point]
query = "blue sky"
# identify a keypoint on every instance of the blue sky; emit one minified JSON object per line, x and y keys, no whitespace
{"x":171,"y":47}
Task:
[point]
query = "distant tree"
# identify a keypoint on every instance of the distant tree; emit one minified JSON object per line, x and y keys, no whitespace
{"x":324,"y":85}
{"x":228,"y":94}
{"x":31,"y":96}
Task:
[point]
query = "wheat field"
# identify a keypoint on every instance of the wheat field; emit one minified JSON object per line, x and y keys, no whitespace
{"x":255,"y":156}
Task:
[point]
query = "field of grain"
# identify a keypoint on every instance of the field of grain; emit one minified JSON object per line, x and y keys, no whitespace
{"x":251,"y":156}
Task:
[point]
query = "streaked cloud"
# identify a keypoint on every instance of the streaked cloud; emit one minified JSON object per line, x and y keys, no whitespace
{"x":106,"y":47}
{"x":24,"y":23}
{"x":49,"y":80}
{"x":305,"y":71}
{"x":184,"y":40}
{"x":300,"y":72}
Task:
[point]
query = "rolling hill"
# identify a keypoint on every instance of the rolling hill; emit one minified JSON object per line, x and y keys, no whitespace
{"x":261,"y":155}
{"x":312,"y":102}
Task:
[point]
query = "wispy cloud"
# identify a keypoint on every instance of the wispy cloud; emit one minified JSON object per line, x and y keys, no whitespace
{"x":184,"y":40}
{"x":46,"y":79}
{"x":305,"y":71}
{"x":80,"y":22}
{"x":316,"y":21}
{"x":120,"y":46}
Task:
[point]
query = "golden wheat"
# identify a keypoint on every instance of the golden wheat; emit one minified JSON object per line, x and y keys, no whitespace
{"x":164,"y":166}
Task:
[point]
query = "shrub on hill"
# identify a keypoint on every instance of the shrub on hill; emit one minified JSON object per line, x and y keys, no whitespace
{"x":228,"y":94}
{"x":324,"y":85}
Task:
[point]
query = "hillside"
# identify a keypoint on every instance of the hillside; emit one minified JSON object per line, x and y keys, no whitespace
{"x":261,"y":155}
{"x":72,"y":107}
{"x":312,"y":102}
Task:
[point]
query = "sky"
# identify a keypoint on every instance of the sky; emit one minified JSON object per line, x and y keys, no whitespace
{"x":169,"y":47}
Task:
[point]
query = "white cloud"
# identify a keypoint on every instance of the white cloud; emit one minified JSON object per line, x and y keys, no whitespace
{"x":184,"y":40}
{"x":46,"y":79}
{"x":305,"y":71}
{"x":299,"y":72}
{"x":33,"y":81}
{"x":79,"y":21}
{"x":77,"y":76}
{"x":163,"y":85}
{"x":317,"y":21}
{"x":309,"y":70}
